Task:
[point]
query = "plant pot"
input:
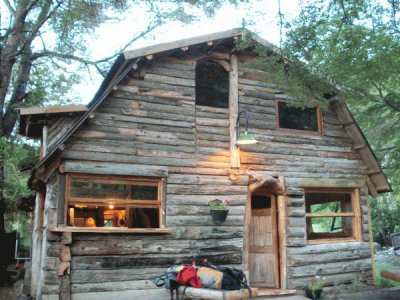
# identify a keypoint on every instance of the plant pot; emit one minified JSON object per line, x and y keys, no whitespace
{"x":219,"y":216}
{"x":316,"y":294}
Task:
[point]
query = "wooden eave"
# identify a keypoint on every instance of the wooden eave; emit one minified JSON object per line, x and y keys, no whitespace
{"x":130,"y":59}
{"x":32,"y":119}
{"x":376,"y":179}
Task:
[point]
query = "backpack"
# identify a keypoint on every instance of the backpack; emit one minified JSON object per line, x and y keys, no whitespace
{"x":234,"y":279}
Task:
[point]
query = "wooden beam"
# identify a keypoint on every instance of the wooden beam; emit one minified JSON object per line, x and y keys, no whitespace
{"x":359,"y":146}
{"x":281,"y":205}
{"x":115,"y":169}
{"x":272,"y":184}
{"x":233,"y":111}
{"x":393,"y":275}
{"x":59,"y":109}
{"x":178,"y":44}
{"x":203,"y":293}
{"x":374,"y":171}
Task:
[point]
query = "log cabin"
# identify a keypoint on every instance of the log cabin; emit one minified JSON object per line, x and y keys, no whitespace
{"x":123,"y":184}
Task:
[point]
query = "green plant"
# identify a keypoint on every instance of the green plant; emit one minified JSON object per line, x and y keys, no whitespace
{"x":219,"y":204}
{"x":317,"y":283}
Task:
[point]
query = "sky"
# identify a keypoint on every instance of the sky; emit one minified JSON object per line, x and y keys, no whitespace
{"x":261,"y":17}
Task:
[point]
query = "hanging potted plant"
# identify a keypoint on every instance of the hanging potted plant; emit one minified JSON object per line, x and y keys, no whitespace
{"x":219,"y":210}
{"x":314,"y":287}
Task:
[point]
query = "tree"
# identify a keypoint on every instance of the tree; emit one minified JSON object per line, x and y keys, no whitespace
{"x":40,"y":39}
{"x":354,"y":46}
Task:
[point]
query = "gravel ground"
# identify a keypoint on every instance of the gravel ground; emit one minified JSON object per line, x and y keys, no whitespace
{"x":388,"y":257}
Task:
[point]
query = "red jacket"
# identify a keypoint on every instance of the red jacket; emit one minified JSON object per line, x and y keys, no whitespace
{"x":188,"y":276}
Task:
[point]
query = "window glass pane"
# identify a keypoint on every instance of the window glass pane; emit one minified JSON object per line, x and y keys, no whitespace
{"x":259,"y":202}
{"x":212,"y":85}
{"x":144,"y":192}
{"x":87,"y":215}
{"x":297,"y":118}
{"x":96,"y":190}
{"x":328,"y":202}
{"x":326,"y":227}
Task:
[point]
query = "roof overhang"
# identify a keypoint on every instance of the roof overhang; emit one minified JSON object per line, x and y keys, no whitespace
{"x":32,"y":119}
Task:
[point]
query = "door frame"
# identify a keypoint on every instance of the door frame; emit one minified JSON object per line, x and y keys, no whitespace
{"x":280,"y":199}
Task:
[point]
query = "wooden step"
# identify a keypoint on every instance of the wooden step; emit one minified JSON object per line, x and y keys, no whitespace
{"x":275,"y":292}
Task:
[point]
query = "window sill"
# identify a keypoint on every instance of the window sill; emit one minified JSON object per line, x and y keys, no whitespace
{"x":111,"y":230}
{"x":331,"y":241}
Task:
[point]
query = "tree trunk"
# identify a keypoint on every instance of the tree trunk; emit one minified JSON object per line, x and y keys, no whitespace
{"x":2,"y":202}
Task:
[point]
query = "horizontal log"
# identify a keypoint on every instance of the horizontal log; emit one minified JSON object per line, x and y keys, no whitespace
{"x":137,"y":273}
{"x":203,"y":200}
{"x":327,"y":257}
{"x":168,"y":71}
{"x":393,"y":275}
{"x":155,"y":260}
{"x":155,"y":293}
{"x":187,"y":109}
{"x":133,"y":119}
{"x":206,"y":190}
{"x":130,"y":112}
{"x":328,"y":268}
{"x":112,"y":286}
{"x":213,"y":294}
{"x":176,"y":221}
{"x":167,"y":78}
{"x":115,"y":169}
{"x":184,"y":210}
{"x":334,"y":279}
{"x":149,"y":246}
{"x":165,"y":98}
{"x":123,"y":158}
{"x":205,"y":180}
{"x":331,"y":247}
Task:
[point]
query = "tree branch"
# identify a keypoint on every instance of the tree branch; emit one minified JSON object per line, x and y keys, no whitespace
{"x":10,"y":8}
{"x":42,"y":18}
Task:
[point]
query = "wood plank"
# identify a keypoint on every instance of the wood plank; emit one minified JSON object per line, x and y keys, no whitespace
{"x":392,"y":275}
{"x":233,"y":111}
{"x":115,"y":169}
{"x":213,"y":294}
{"x":182,"y":43}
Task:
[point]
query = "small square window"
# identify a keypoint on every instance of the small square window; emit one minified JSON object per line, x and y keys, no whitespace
{"x":297,"y":118}
{"x":332,"y":215}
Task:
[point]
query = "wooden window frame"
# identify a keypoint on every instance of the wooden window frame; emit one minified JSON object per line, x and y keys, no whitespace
{"x":355,"y":215}
{"x":117,"y":179}
{"x":297,"y":131}
{"x":224,"y":65}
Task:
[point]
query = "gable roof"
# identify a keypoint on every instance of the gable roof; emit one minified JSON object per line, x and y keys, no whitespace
{"x":129,"y":60}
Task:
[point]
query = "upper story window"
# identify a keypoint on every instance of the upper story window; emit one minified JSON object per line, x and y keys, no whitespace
{"x":212,"y":84}
{"x":297,"y":118}
{"x":332,"y":215}
{"x":113,"y":201}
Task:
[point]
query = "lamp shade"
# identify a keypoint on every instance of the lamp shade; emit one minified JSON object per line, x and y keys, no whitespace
{"x":246,"y":139}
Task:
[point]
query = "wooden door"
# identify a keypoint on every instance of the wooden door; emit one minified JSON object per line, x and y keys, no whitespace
{"x":263,"y":244}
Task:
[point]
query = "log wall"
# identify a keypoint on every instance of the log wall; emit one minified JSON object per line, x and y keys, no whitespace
{"x":151,"y":119}
{"x":305,"y":160}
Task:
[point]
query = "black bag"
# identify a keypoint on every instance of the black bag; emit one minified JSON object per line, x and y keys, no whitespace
{"x":165,"y":279}
{"x":234,"y":279}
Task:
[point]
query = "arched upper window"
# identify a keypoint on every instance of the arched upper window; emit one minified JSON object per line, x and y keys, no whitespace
{"x":212,"y":84}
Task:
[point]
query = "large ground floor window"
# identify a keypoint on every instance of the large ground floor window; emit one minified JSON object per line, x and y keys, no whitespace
{"x":332,"y":215}
{"x":113,"y":201}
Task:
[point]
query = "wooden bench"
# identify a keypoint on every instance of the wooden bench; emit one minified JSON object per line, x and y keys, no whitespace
{"x":392,"y":275}
{"x":213,"y":294}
